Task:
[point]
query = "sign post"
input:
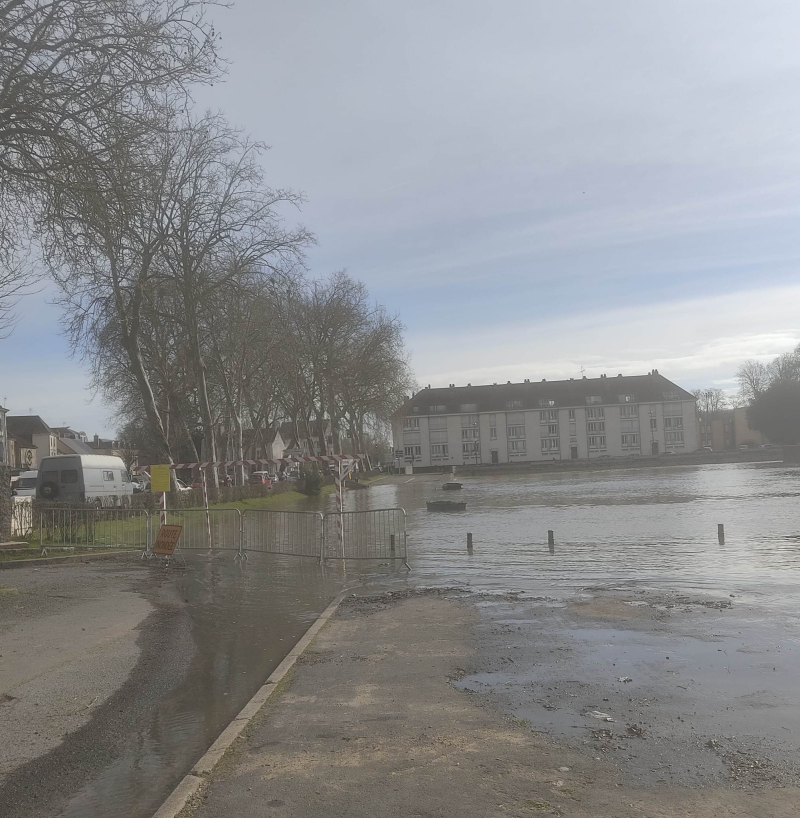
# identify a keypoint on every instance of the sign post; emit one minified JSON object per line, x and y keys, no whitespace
{"x":160,"y":483}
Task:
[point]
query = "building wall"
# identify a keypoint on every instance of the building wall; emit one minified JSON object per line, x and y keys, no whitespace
{"x":675,"y":429}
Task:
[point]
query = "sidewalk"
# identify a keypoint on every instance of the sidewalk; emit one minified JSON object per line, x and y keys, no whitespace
{"x":370,"y":725}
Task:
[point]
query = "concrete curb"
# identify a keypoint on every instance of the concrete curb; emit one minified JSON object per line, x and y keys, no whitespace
{"x":103,"y":555}
{"x":193,"y":781}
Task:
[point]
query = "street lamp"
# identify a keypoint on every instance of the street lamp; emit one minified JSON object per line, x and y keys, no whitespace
{"x":652,"y":414}
{"x":476,"y":442}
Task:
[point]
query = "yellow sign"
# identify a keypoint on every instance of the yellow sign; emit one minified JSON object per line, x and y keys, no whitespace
{"x":159,"y":478}
{"x":167,"y":539}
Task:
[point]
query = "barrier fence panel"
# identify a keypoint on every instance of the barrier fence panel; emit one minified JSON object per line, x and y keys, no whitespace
{"x":377,"y":534}
{"x":297,"y":533}
{"x":105,"y":528}
{"x":225,"y":527}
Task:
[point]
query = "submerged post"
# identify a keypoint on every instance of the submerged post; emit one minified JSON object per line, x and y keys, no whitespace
{"x":469,"y":543}
{"x":721,"y":533}
{"x":551,"y":541}
{"x":391,"y":544}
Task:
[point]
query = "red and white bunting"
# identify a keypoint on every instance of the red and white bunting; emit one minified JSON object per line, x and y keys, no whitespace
{"x":286,"y":461}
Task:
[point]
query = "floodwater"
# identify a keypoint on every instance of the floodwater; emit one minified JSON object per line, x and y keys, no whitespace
{"x":651,"y":527}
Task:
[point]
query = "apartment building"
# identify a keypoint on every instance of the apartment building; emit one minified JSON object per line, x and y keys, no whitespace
{"x":576,"y":419}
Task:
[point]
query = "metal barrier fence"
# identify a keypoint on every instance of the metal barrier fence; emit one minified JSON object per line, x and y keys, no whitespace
{"x":106,"y":528}
{"x":377,"y":534}
{"x":225,"y":525}
{"x":21,"y":517}
{"x":296,"y":533}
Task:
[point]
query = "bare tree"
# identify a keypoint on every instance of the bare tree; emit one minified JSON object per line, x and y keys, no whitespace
{"x":753,"y":379}
{"x":710,"y":400}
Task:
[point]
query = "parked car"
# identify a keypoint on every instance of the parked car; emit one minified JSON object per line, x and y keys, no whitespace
{"x":25,"y":484}
{"x":260,"y":478}
{"x":744,"y":447}
{"x":78,"y":478}
{"x":707,"y":449}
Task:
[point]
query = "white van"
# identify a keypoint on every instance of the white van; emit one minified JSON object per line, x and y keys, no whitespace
{"x":24,"y":485}
{"x":79,"y":478}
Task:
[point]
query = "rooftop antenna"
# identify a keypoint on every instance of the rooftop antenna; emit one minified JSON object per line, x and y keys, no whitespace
{"x":583,"y":371}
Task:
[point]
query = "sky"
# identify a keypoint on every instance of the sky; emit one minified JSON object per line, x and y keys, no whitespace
{"x":538,"y":189}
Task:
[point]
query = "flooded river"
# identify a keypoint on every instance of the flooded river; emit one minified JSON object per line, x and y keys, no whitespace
{"x":656,"y":527}
{"x":220,"y":628}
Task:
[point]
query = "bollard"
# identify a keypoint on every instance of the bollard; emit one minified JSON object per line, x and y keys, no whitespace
{"x":551,"y":542}
{"x":721,"y":533}
{"x":391,"y":543}
{"x":469,"y":543}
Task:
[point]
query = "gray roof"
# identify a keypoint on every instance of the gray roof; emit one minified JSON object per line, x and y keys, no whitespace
{"x":23,"y":426}
{"x":650,"y":388}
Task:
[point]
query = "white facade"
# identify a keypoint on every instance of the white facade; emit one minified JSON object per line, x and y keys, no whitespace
{"x":432,"y":434}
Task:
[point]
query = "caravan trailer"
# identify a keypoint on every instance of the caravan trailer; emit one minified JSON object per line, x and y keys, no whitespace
{"x":84,"y":478}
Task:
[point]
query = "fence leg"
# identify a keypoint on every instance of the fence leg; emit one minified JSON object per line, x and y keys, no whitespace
{"x":551,"y":542}
{"x":721,"y":533}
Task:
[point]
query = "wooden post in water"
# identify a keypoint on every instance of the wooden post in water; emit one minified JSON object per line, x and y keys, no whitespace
{"x":469,"y":543}
{"x":721,"y":533}
{"x":551,"y":541}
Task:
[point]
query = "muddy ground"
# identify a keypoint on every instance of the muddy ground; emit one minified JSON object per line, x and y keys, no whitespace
{"x":437,"y":706}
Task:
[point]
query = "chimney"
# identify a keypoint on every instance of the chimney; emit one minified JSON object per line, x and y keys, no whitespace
{"x":527,"y":380}
{"x":544,"y":380}
{"x":97,"y":440}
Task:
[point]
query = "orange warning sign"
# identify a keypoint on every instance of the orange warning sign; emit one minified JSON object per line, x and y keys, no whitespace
{"x":167,"y":539}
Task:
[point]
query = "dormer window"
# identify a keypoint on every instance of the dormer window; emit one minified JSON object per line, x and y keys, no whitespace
{"x":590,"y":399}
{"x":627,"y":398}
{"x":546,"y":402}
{"x":513,"y":404}
{"x":672,"y":394}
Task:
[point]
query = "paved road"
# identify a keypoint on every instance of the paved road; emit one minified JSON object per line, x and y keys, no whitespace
{"x":372,"y":726}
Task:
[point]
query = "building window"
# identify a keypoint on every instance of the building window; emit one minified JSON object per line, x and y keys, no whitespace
{"x":469,"y":407}
{"x":596,"y":413}
{"x":410,"y":438}
{"x":517,"y":432}
{"x":596,"y":426}
{"x":439,"y":450}
{"x":493,"y":433}
{"x":411,"y":423}
{"x":437,"y":423}
{"x":673,"y":422}
{"x":469,"y":449}
{"x":469,"y":420}
{"x":630,"y":441}
{"x":547,"y":415}
{"x":513,"y":404}
{"x":590,"y":399}
{"x":439,"y":409}
{"x":549,"y":445}
{"x":673,"y":438}
{"x":672,"y":394}
{"x":413,"y":452}
{"x":653,"y":425}
{"x":629,"y":425}
{"x":572,"y":414}
{"x":438,"y":436}
{"x":627,"y":398}
{"x":629,"y":411}
{"x":416,"y":410}
{"x":469,"y":434}
{"x":552,"y":430}
{"x":546,"y":402}
{"x":673,"y":409}
{"x":597,"y":442}
{"x":516,"y":447}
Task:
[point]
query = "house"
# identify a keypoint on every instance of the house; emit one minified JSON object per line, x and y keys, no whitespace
{"x":575,"y":419}
{"x":303,"y":439}
{"x":263,"y":444}
{"x":728,"y":429}
{"x":33,"y":439}
{"x":72,"y":442}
